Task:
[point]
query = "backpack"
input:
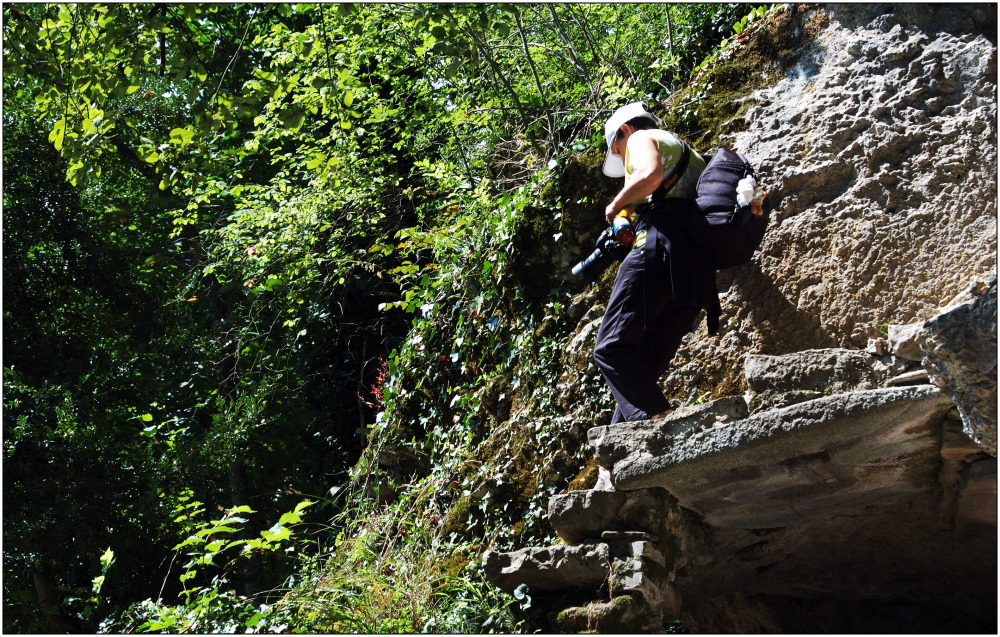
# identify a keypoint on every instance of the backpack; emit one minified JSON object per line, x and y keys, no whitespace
{"x":727,"y":233}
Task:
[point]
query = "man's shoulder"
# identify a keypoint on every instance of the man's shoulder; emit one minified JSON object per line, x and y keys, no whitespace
{"x":658,"y":137}
{"x":653,"y":133}
{"x":664,"y":136}
{"x":669,"y":145}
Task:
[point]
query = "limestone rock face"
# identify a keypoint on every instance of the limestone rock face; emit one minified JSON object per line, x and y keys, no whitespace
{"x":582,"y":515}
{"x":649,"y":439}
{"x":904,"y":340}
{"x":622,"y":615}
{"x":879,"y":153}
{"x":871,"y":494}
{"x":961,"y":357}
{"x":775,"y":468}
{"x":646,"y":514}
{"x":831,"y":371}
{"x":858,"y":498}
{"x":958,"y":351}
{"x":784,"y":380}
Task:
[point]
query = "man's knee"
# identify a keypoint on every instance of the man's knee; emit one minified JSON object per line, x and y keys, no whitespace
{"x":607,"y":348}
{"x":599,"y":358}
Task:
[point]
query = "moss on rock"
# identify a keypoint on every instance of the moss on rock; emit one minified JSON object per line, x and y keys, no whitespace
{"x":625,"y":614}
{"x":713,"y":104}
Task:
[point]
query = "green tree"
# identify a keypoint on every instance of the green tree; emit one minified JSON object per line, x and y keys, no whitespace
{"x":86,"y":309}
{"x":222,"y":222}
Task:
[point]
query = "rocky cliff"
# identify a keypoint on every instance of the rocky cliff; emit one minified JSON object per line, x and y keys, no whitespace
{"x":879,"y":150}
{"x":844,"y":479}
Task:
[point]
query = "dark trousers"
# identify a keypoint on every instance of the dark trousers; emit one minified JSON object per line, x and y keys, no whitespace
{"x":639,"y":335}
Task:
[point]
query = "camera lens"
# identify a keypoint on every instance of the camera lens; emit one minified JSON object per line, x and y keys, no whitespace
{"x":593,"y":266}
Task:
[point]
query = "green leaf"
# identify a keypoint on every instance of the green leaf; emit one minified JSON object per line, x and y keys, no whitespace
{"x":181,"y":136}
{"x":58,"y":133}
{"x":194,"y":539}
{"x":146,"y":417}
{"x":293,"y":517}
{"x":107,"y":559}
{"x":276,"y":533}
{"x":292,"y":118}
{"x":215,"y":546}
{"x":250,"y":545}
{"x":273,"y":282}
{"x":302,"y":505}
{"x":216,"y":529}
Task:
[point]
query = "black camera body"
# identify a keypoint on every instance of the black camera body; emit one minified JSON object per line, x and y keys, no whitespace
{"x":609,"y":249}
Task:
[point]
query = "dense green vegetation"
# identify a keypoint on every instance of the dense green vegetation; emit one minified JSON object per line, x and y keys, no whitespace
{"x":282,"y":336}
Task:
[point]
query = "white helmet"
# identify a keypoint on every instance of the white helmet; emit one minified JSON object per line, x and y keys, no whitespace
{"x":613,"y":166}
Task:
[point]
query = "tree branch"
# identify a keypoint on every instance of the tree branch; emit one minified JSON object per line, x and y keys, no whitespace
{"x":534,"y":74}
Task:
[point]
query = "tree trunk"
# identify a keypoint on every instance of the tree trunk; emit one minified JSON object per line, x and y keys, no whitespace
{"x":249,"y":571}
{"x":48,"y":602}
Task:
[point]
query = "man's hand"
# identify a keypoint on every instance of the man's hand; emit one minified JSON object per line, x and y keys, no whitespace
{"x":610,"y":212}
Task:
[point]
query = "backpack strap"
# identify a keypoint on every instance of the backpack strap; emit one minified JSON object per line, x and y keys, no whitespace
{"x":675,"y":175}
{"x":652,"y":243}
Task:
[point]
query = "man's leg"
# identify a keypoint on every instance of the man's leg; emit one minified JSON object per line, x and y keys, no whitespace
{"x":620,"y":339}
{"x":663,"y":342}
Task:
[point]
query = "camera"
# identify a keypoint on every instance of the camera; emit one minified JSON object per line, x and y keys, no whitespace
{"x":609,"y":249}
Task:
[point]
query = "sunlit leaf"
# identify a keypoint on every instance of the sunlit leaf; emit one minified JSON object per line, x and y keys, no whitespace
{"x":276,"y":533}
{"x":292,"y":118}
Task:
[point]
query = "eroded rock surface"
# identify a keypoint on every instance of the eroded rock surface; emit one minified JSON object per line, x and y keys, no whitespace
{"x":879,"y":151}
{"x":778,"y":381}
{"x":550,"y":568}
{"x":961,"y":356}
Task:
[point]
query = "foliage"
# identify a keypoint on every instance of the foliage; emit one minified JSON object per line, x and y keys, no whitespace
{"x":259,"y":250}
{"x":390,"y":574}
{"x":211,"y":557}
{"x":676,"y":627}
{"x":82,"y":311}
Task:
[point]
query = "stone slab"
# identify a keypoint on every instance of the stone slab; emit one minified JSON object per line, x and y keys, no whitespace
{"x":592,"y":515}
{"x":651,"y":437}
{"x":960,"y":345}
{"x":784,"y":466}
{"x":824,"y":370}
{"x":549,"y":568}
{"x":584,"y":515}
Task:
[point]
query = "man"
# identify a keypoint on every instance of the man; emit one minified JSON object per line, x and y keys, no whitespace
{"x":664,"y":282}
